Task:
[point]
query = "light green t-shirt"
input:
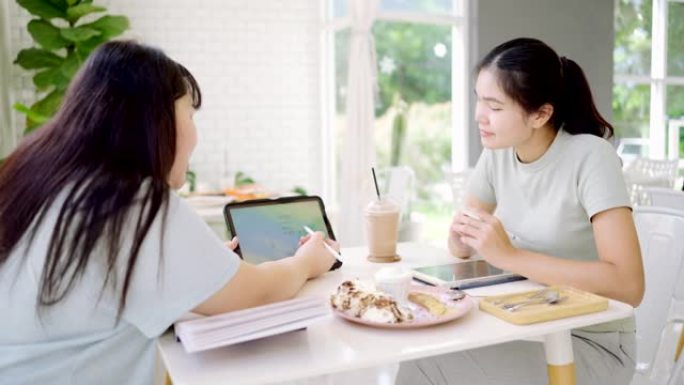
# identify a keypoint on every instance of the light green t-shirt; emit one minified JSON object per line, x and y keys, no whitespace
{"x":77,"y":340}
{"x":547,"y":205}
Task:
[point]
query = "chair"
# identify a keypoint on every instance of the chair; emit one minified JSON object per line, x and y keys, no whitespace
{"x":665,"y":197}
{"x":398,"y":183}
{"x":645,"y":172}
{"x":459,"y":186}
{"x":668,"y":364}
{"x":661,"y":236}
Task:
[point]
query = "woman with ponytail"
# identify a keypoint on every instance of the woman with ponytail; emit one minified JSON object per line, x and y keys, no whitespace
{"x":556,"y":183}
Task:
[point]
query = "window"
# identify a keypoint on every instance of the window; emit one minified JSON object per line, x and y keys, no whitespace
{"x":420,"y":60}
{"x":648,"y":92}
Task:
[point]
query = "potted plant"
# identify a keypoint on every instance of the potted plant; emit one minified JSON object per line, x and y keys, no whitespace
{"x":63,"y":39}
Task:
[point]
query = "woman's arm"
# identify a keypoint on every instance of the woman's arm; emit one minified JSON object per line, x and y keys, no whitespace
{"x":456,"y":247}
{"x":254,"y":285}
{"x":618,"y":273}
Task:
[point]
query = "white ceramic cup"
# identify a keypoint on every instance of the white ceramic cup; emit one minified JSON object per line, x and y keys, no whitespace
{"x":394,"y":281}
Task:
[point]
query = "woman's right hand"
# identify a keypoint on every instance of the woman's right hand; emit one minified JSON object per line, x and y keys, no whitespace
{"x":456,"y":246}
{"x":315,"y":256}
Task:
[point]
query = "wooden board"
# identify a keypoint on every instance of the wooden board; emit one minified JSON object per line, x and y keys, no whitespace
{"x":572,"y":302}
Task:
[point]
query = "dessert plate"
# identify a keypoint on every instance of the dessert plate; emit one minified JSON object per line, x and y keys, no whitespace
{"x":421,"y":316}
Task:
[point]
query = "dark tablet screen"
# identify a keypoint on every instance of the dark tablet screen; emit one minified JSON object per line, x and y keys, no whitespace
{"x":269,"y":229}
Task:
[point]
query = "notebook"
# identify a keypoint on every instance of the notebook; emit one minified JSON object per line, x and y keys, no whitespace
{"x":211,"y":332}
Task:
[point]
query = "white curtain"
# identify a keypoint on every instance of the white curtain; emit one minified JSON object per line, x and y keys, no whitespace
{"x":359,"y":148}
{"x":7,"y":136}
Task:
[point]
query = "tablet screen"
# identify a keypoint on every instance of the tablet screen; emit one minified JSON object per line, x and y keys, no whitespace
{"x":271,"y":230}
{"x":460,"y":271}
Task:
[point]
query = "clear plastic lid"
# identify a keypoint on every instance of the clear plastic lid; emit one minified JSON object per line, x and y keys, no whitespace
{"x":382,"y":206}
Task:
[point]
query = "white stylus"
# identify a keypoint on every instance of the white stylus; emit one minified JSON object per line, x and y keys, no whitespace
{"x":327,"y":246}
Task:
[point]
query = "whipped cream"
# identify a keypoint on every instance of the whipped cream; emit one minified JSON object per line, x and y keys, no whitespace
{"x":365,"y":302}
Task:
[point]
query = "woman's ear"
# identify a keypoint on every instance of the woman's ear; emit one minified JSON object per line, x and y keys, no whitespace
{"x":542,"y":115}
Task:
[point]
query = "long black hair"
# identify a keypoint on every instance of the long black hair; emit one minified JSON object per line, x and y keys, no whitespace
{"x":109,"y":150}
{"x":531,"y":73}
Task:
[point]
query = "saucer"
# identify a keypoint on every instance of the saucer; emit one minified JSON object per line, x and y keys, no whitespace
{"x":394,"y":258}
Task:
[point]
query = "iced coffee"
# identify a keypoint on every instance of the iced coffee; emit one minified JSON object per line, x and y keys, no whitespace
{"x":382,"y":227}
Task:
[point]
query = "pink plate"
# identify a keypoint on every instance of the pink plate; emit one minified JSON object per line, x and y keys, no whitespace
{"x":422,"y":317}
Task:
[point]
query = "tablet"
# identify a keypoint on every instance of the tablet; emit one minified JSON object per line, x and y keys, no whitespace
{"x":269,"y":229}
{"x":464,"y":275}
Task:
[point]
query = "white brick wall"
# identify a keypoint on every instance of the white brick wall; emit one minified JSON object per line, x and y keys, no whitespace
{"x":257,"y":62}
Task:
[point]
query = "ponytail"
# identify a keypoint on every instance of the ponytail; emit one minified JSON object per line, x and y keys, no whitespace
{"x":531,"y":73}
{"x":577,"y":112}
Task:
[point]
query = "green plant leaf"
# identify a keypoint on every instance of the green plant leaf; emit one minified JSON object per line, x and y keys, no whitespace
{"x":34,"y":58}
{"x":33,"y":118}
{"x":47,"y":78}
{"x":110,"y":26}
{"x":79,"y":33}
{"x":45,"y":9}
{"x":242,"y":179}
{"x":78,"y":11}
{"x":72,"y":2}
{"x":85,"y":47}
{"x":46,"y":34}
{"x":48,"y":105}
{"x":299,"y":190}
{"x":71,"y":64}
{"x":61,"y":4}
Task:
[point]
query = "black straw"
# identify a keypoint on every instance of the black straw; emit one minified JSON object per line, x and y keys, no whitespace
{"x":375,"y":181}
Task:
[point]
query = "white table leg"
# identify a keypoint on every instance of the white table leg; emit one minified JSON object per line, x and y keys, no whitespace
{"x":559,"y":358}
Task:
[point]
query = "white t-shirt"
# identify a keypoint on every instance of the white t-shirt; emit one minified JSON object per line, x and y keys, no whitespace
{"x":546,"y":205}
{"x":77,"y":341}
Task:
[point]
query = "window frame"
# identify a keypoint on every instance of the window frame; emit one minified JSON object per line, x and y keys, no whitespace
{"x":461,"y":32}
{"x":661,"y":128}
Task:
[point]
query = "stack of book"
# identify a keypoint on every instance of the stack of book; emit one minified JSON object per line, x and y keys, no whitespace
{"x":244,"y":325}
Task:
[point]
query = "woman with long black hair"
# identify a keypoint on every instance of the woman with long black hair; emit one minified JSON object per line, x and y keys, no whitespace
{"x":97,"y":255}
{"x":562,"y":214}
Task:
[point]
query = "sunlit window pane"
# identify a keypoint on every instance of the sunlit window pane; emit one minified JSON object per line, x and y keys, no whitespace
{"x":341,"y":72}
{"x":444,"y":7}
{"x":413,"y":113}
{"x":675,"y":111}
{"x":632,"y":53}
{"x":631,"y":110}
{"x":419,"y":6}
{"x":340,"y":8}
{"x":675,"y":39}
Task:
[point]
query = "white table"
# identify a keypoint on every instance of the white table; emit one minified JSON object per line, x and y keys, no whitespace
{"x":334,"y":345}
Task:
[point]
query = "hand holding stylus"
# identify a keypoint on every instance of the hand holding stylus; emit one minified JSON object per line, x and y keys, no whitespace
{"x":327,"y":246}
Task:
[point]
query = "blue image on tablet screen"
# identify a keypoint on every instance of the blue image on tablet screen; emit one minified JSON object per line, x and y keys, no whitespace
{"x":271,"y":232}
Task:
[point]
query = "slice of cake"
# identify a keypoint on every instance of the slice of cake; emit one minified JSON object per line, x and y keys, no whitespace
{"x":364,"y":302}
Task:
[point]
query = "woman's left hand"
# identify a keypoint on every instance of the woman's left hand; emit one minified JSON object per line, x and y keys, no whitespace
{"x":486,"y":235}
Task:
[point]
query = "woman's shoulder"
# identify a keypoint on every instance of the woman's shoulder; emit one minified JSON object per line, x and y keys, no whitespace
{"x":587,"y":145}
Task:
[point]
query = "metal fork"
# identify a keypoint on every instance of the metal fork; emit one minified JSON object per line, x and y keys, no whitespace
{"x":551,"y":298}
{"x":538,"y":294}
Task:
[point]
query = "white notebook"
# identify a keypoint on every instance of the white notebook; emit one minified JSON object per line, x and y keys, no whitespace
{"x":244,"y":325}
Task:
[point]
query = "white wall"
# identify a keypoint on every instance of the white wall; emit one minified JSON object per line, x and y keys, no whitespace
{"x":257,"y":63}
{"x":582,"y":30}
